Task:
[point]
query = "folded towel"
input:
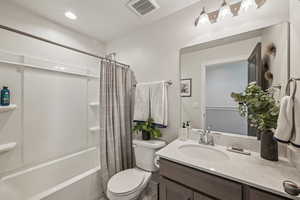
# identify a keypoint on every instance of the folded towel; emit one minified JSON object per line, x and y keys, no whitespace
{"x":284,"y":129}
{"x":142,"y":103}
{"x":296,"y":133}
{"x":159,"y":103}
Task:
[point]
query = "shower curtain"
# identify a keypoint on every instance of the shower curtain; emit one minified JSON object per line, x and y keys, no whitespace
{"x":116,"y":112}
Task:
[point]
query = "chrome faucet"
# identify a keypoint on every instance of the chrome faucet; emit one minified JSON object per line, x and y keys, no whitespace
{"x":206,"y":137}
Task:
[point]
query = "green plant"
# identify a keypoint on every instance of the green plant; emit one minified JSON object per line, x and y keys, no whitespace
{"x":149,"y":127}
{"x":259,"y":106}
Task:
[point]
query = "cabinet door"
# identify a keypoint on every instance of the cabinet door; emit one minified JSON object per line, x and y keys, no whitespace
{"x":254,"y":194}
{"x":198,"y":196}
{"x":170,"y":190}
{"x":205,"y":183}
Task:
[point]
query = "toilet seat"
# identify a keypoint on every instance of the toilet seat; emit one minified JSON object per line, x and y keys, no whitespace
{"x":127,"y":184}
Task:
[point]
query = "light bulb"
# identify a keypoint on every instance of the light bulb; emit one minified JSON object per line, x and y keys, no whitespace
{"x":203,"y":18}
{"x":247,"y":4}
{"x":224,"y":11}
{"x":70,"y":15}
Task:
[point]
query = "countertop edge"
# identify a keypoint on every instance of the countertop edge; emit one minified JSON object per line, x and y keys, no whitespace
{"x":232,"y":178}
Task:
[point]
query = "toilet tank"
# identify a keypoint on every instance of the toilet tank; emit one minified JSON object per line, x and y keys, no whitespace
{"x":145,"y":153}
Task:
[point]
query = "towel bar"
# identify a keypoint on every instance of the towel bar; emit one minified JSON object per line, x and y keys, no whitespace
{"x":168,"y":82}
{"x":294,"y":80}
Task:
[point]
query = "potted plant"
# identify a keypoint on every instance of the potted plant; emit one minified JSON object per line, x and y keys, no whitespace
{"x":262,"y":110}
{"x":147,"y":129}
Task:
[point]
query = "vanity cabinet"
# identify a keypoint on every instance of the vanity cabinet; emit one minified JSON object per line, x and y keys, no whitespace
{"x":178,"y":182}
{"x":173,"y":191}
{"x":255,"y":194}
{"x":198,"y":196}
{"x":170,"y":190}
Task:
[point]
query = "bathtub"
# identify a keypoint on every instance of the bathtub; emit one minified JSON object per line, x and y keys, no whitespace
{"x":73,"y":177}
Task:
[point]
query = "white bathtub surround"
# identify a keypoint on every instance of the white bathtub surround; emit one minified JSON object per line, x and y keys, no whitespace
{"x":7,"y":147}
{"x":55,"y":179}
{"x":250,"y":170}
{"x":7,"y":108}
{"x":116,"y":104}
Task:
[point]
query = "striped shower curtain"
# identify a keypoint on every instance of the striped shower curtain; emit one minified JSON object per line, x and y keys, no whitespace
{"x":116,"y":110}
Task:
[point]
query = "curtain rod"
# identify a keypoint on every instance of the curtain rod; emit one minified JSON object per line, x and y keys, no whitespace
{"x":59,"y":44}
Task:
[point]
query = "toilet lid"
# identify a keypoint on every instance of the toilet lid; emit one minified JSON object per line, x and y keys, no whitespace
{"x":127,"y":181}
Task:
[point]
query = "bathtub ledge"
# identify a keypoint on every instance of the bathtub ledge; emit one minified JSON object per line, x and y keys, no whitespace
{"x":65,"y":184}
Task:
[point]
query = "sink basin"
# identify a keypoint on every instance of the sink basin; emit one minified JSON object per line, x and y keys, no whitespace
{"x":203,"y":153}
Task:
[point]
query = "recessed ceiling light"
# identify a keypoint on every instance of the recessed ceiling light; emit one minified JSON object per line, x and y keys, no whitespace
{"x":70,"y":15}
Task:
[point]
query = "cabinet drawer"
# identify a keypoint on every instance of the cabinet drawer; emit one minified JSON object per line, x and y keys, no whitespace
{"x":255,"y":194}
{"x":205,"y":183}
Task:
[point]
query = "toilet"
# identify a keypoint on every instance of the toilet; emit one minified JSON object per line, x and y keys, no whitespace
{"x":129,"y":184}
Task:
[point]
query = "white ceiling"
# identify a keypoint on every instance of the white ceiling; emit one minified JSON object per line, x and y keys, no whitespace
{"x":104,"y":20}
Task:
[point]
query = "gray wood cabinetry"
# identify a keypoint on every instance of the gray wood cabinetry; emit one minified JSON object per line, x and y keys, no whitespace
{"x":170,"y":190}
{"x":198,"y":196}
{"x":178,"y":182}
{"x":255,"y":194}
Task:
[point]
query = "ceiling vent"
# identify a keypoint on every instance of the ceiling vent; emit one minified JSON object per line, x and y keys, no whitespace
{"x":143,"y":7}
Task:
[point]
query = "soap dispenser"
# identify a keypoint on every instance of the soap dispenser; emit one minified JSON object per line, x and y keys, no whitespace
{"x":189,"y":129}
{"x":183,"y":133}
{"x":5,"y":96}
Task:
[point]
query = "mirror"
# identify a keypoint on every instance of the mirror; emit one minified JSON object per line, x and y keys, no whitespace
{"x":211,"y":71}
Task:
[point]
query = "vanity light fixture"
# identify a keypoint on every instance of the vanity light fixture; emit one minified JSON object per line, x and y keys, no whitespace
{"x":248,"y":4}
{"x":228,"y":10}
{"x":203,"y":18}
{"x":224,"y":11}
{"x":70,"y":15}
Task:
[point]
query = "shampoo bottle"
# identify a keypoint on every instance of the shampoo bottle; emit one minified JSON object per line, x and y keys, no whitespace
{"x":5,"y":96}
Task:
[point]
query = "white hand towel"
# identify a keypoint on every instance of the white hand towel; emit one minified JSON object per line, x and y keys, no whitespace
{"x":159,"y":103}
{"x":285,"y":120}
{"x":142,"y":102}
{"x":296,"y":133}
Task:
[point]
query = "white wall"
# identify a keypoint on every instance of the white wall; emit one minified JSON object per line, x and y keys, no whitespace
{"x":295,"y":38}
{"x":295,"y":52}
{"x":276,"y":35}
{"x":52,"y":116}
{"x":19,"y":18}
{"x":153,"y":51}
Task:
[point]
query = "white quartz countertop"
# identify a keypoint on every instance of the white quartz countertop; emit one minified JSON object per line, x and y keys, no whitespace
{"x":251,"y":170}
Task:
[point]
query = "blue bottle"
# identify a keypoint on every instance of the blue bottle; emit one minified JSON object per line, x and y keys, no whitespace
{"x":5,"y":96}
